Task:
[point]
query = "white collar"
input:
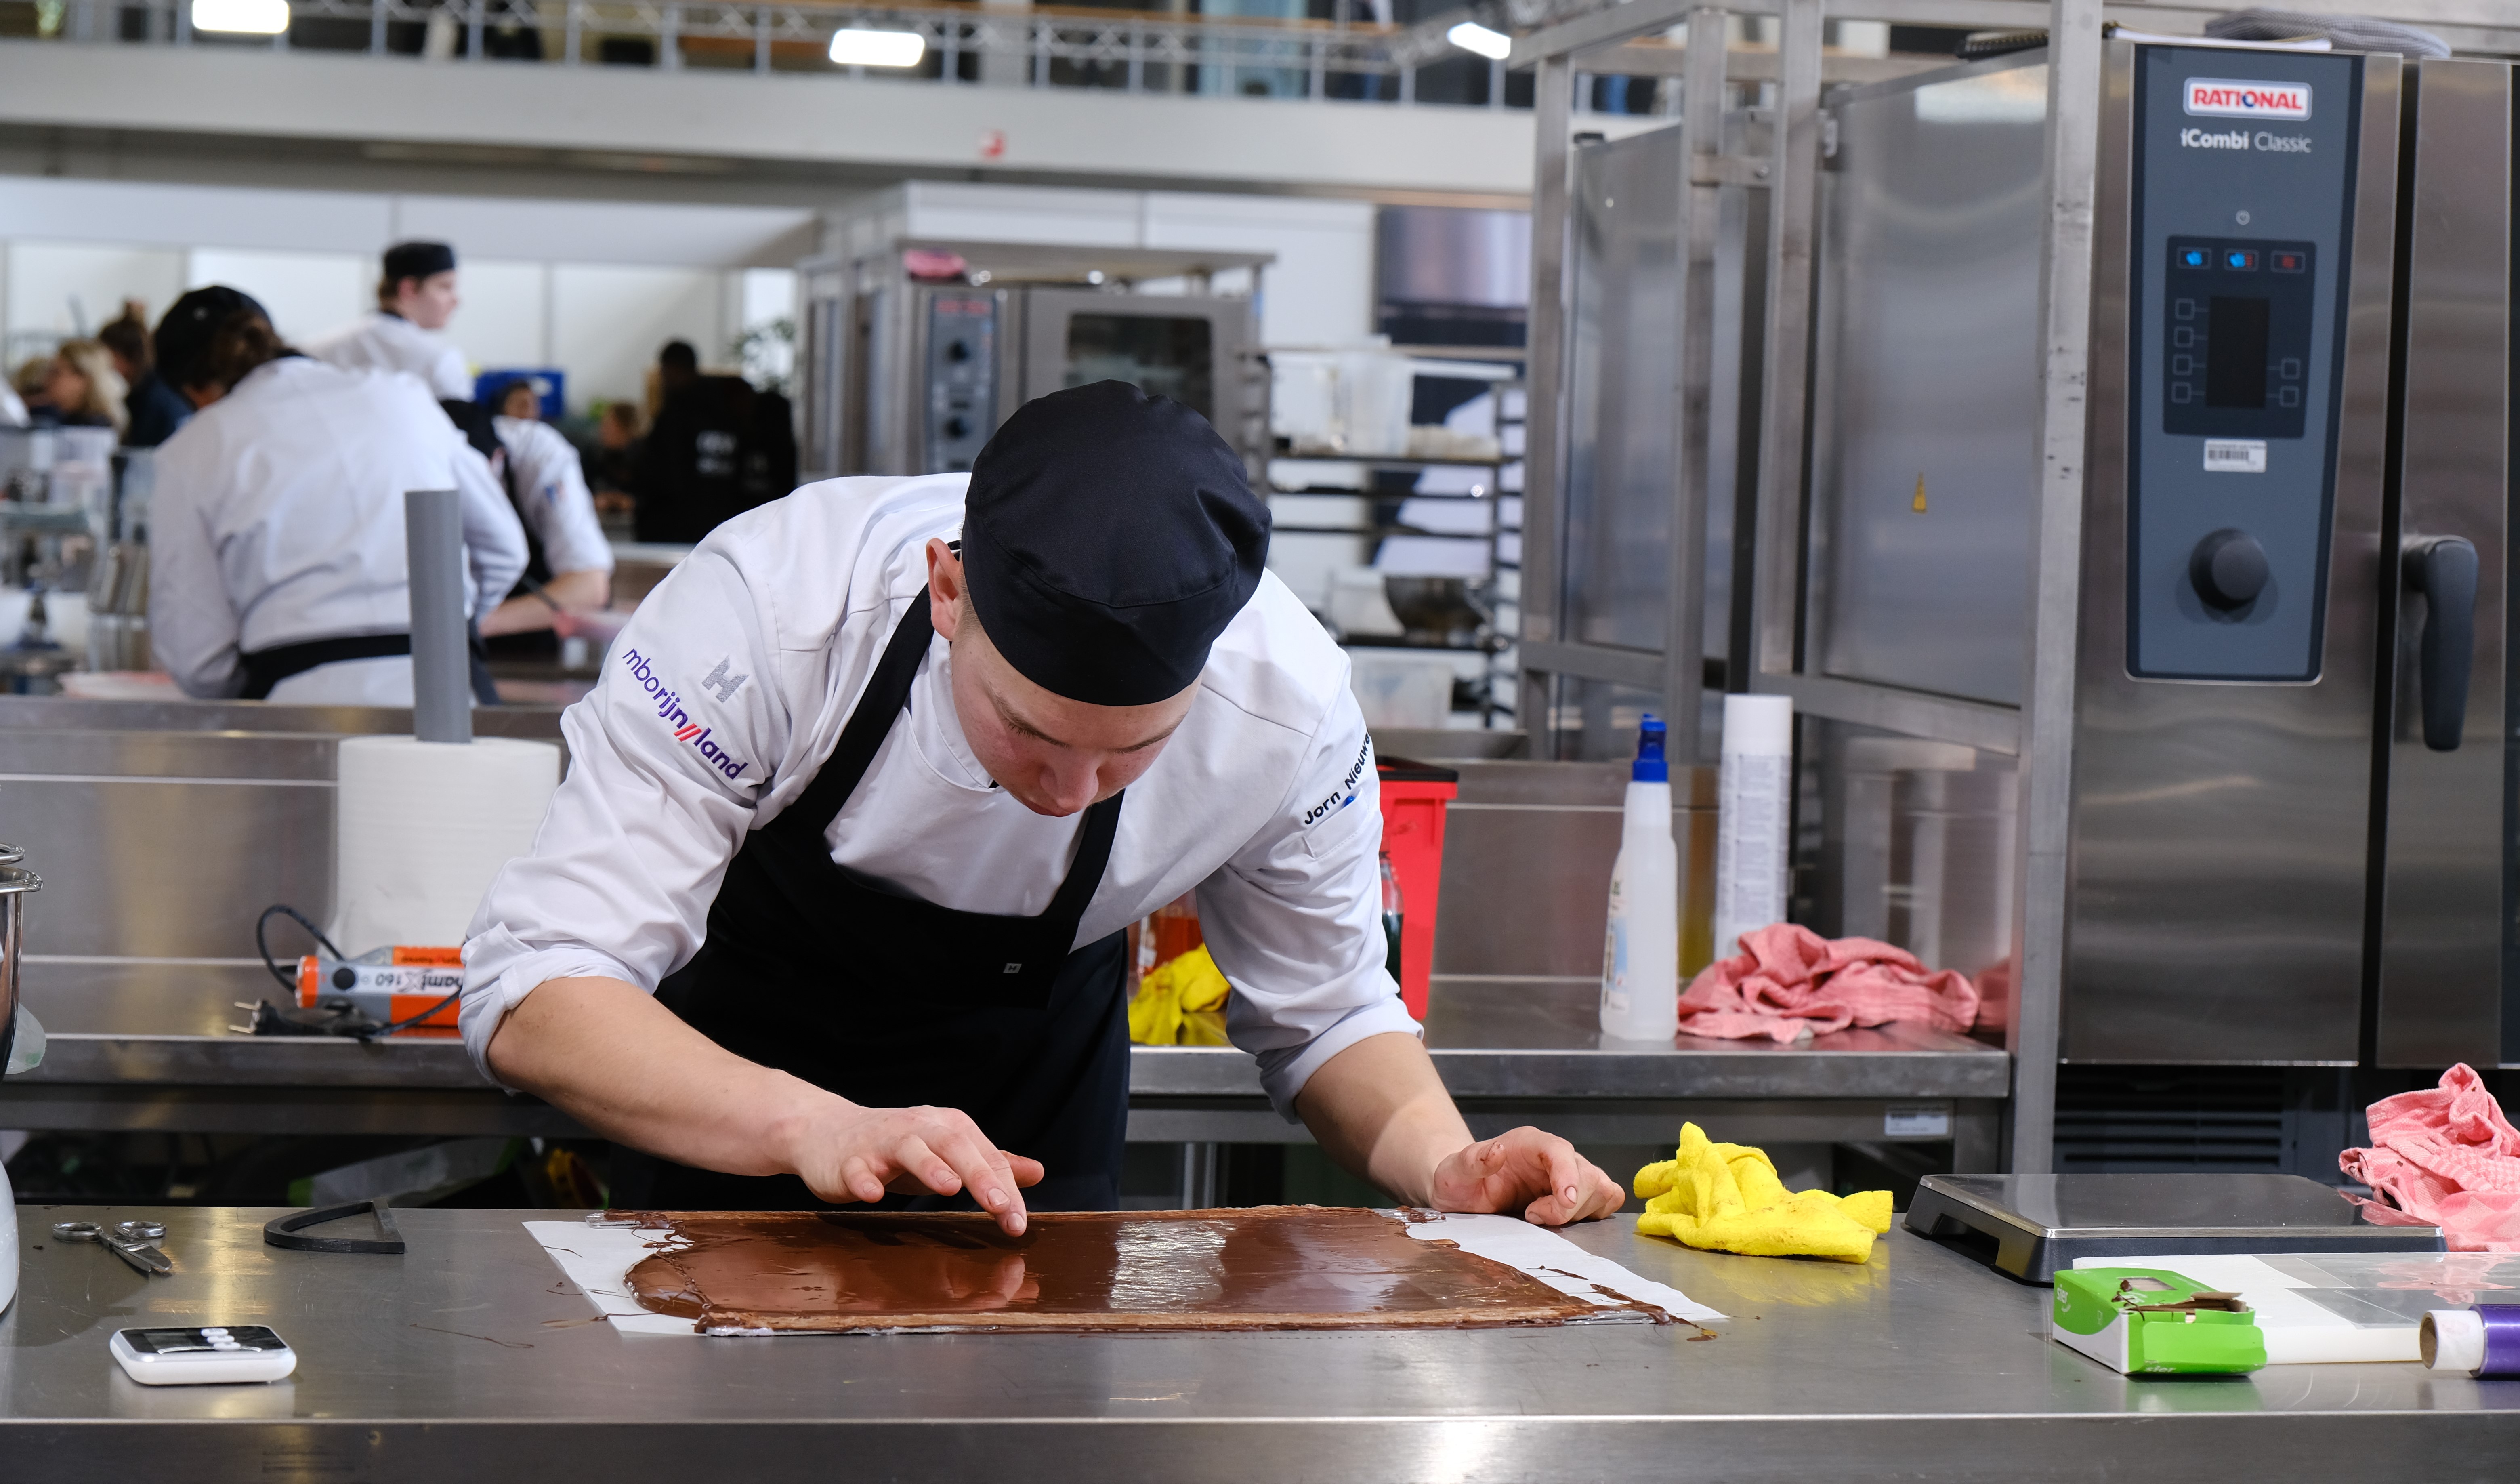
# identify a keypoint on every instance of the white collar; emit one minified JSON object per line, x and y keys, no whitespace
{"x":938,"y":728}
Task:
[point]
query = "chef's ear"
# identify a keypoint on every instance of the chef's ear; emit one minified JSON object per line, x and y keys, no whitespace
{"x":946,"y":588}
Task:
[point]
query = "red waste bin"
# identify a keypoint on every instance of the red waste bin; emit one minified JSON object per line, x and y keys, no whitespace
{"x":1413,"y":795}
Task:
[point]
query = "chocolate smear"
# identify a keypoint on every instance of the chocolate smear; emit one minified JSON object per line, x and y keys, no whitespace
{"x":1259,"y":1268}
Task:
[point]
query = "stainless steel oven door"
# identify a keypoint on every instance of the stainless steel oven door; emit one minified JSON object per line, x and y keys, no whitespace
{"x":1190,"y":349}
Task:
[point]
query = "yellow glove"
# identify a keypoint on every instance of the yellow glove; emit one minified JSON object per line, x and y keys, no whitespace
{"x":1181,"y":1003}
{"x":1727,"y":1197}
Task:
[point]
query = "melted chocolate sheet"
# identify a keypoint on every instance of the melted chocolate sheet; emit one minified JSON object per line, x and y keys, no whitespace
{"x":1261,"y":1268}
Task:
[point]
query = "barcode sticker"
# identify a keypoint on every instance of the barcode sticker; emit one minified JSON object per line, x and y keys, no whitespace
{"x":2235,"y":455}
{"x":1916,"y":1123}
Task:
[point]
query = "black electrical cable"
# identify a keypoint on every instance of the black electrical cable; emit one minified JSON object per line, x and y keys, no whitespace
{"x":408,"y":1021}
{"x":263,"y":945}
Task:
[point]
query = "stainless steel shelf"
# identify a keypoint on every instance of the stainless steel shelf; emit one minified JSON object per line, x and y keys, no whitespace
{"x":1892,"y":1061}
{"x":1838,"y":1088}
{"x":471,"y":1355}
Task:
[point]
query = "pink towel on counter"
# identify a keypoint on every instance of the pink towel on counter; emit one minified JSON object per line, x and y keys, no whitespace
{"x":1789,"y":982}
{"x":2448,"y":1157}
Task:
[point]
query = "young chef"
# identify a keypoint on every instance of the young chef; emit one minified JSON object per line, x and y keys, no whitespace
{"x":544,"y":488}
{"x":869,"y":791}
{"x":277,"y":563}
{"x":414,"y":302}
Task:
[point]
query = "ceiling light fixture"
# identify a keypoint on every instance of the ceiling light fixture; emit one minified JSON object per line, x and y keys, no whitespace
{"x":1470,"y":36}
{"x":242,"y":18}
{"x":856,"y":47}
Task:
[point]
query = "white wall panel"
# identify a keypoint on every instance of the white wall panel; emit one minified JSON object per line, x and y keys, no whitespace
{"x":608,"y":231}
{"x":57,"y":289}
{"x":502,"y":318}
{"x":768,"y":293}
{"x":992,"y":214}
{"x":187,"y":216}
{"x":609,"y":322}
{"x":1319,"y":291}
{"x":305,"y":294}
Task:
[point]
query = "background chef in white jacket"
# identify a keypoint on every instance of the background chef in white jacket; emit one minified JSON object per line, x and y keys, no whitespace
{"x":415,"y":300}
{"x":277,"y":563}
{"x":832,"y":901}
{"x":570,"y":566}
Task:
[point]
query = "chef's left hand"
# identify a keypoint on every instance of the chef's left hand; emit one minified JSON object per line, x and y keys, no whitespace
{"x":1525,"y":1169}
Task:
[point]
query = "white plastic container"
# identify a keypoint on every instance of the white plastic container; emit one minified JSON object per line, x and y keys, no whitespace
{"x":1754,"y":799}
{"x":1641,"y":961}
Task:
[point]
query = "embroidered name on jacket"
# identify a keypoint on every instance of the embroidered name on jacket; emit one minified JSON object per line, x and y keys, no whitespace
{"x":670,"y":707}
{"x":1345,"y":793}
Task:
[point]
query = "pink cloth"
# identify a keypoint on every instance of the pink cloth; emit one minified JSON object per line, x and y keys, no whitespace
{"x":1789,"y":982}
{"x":2446,"y":1157}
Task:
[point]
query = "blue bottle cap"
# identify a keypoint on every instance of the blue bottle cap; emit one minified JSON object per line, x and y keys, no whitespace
{"x":1650,"y":766}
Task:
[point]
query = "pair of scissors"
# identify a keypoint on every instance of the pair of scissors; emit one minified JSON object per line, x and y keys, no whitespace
{"x":134,"y":1242}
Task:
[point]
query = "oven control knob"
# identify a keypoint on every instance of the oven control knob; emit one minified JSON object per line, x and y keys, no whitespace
{"x":957,"y":428}
{"x":959,"y":350}
{"x":2228,"y":568}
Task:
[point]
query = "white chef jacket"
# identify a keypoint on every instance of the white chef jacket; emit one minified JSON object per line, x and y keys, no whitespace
{"x":13,"y":412}
{"x":552,"y":495}
{"x":279,"y":518}
{"x":382,"y":342}
{"x":728,"y":690}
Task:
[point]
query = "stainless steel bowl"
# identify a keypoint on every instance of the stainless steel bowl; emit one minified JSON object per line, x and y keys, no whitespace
{"x":15,"y":884}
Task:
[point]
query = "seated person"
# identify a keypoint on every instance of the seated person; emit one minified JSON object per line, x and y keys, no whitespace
{"x":83,"y":389}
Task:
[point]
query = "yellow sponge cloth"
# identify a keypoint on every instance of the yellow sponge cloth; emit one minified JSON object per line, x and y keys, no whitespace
{"x":1180,"y":1004}
{"x":1726,"y":1197}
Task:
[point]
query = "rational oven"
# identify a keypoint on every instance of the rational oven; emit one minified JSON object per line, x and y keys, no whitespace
{"x":2292,"y":831}
{"x":915,"y":355}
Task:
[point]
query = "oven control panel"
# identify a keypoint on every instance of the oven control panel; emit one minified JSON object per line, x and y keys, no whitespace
{"x":962,"y":379}
{"x":2242,"y":206}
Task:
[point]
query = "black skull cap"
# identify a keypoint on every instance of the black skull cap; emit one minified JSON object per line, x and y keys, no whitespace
{"x":189,"y":325}
{"x":418,"y":260}
{"x":1109,"y":537}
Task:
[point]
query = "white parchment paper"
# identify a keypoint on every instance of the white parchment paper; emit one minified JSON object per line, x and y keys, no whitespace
{"x":599,"y":1260}
{"x":1556,"y":1262}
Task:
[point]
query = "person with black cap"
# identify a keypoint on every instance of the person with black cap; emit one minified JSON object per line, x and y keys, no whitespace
{"x":831,"y":906}
{"x":415,"y":300}
{"x":277,"y":568}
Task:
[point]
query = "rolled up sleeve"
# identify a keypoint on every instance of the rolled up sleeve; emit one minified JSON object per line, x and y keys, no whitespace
{"x":552,"y":484}
{"x":664,"y":776}
{"x":1294,"y":919}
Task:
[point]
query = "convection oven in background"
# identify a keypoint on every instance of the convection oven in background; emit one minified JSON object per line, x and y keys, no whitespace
{"x":915,"y":355}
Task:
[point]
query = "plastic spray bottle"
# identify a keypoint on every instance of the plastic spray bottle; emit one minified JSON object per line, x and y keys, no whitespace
{"x":1640,"y":962}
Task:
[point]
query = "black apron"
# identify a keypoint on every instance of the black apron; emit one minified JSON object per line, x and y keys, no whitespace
{"x":892,"y":1002}
{"x":266,"y":669}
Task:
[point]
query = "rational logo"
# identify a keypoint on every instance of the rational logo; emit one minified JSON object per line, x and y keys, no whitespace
{"x":2225,"y":97}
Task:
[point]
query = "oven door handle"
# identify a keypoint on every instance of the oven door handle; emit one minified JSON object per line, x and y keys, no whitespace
{"x":2444,"y":569}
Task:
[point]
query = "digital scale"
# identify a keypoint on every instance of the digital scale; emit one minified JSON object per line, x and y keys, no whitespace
{"x":2029,"y":1226}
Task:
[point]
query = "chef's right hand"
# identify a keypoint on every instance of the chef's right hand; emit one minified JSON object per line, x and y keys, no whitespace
{"x":858,"y":1153}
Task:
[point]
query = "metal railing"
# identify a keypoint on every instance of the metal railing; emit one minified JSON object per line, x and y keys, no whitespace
{"x":1121,"y":51}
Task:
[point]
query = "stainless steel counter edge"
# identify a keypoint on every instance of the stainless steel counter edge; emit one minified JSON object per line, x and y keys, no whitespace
{"x":471,"y":1358}
{"x":1962,"y":1069}
{"x":2210,"y":1449}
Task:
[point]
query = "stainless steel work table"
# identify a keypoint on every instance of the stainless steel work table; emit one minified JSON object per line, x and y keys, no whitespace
{"x":474,"y":1354}
{"x":1510,"y":1057}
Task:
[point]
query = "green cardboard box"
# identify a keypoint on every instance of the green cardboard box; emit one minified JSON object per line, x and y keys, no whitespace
{"x":2153,"y":1322}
